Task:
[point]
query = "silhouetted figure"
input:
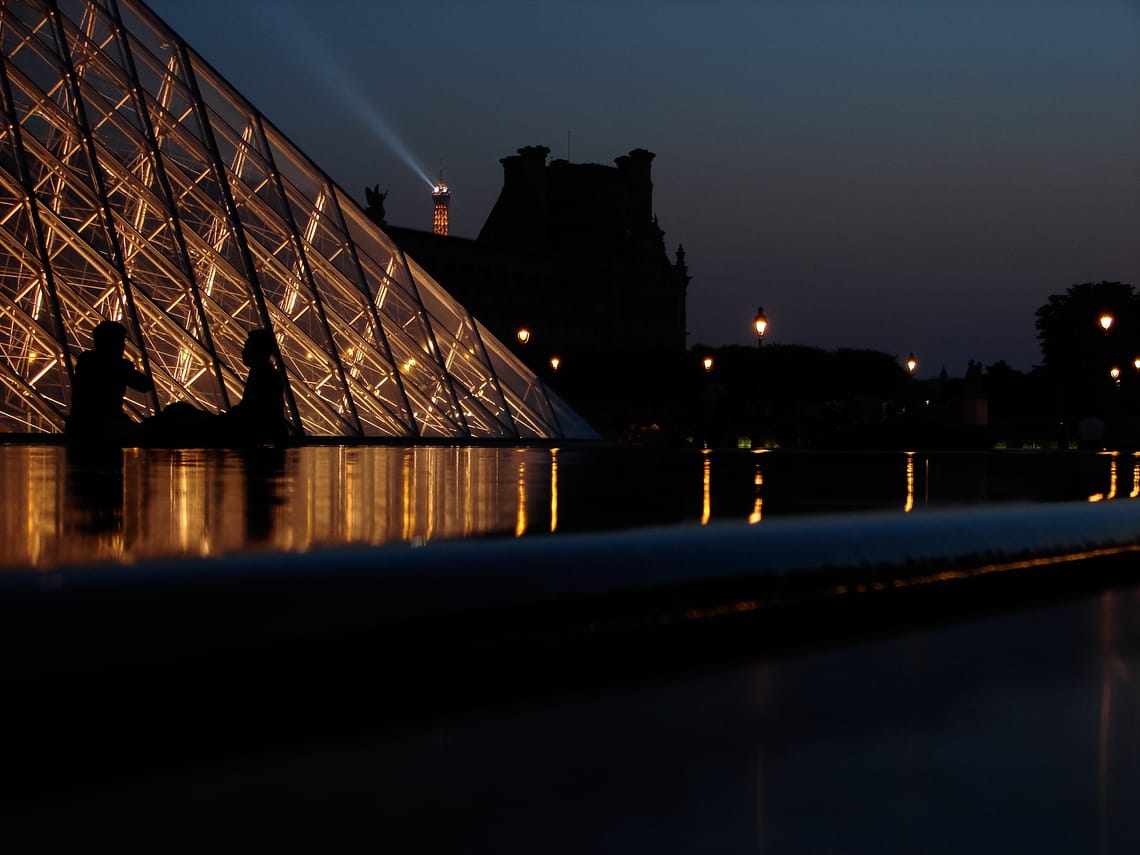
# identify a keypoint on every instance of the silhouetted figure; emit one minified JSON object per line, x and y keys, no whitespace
{"x":180,"y":425}
{"x":259,"y":418}
{"x":94,"y":485}
{"x":264,"y":482}
{"x":102,"y":376}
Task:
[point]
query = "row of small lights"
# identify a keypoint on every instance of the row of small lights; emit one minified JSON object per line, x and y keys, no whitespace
{"x":1106,"y":321}
{"x":523,"y":336}
{"x":760,"y":324}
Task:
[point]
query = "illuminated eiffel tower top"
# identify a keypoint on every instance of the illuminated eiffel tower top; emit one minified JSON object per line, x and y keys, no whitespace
{"x":137,"y":185}
{"x":441,"y":196}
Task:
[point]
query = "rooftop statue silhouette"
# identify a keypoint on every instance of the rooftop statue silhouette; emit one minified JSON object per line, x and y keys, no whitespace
{"x":374,"y":206}
{"x":102,"y":376}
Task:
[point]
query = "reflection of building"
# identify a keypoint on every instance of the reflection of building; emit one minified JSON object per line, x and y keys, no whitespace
{"x":137,"y":185}
{"x":573,"y":252}
{"x":59,"y":505}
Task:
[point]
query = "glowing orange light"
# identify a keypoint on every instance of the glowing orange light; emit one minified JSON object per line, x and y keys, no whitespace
{"x":760,"y":323}
{"x":441,"y":195}
{"x":554,"y":363}
{"x":1106,"y":321}
{"x":908,"y":506}
{"x":523,"y":335}
{"x":520,"y":515}
{"x":706,"y":489}
{"x":911,"y":364}
{"x":708,"y":363}
{"x":758,"y":502}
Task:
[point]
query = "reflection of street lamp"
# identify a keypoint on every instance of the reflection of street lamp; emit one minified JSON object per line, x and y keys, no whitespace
{"x":760,"y":324}
{"x":1106,"y":321}
{"x":554,"y":363}
{"x":1114,"y":373}
{"x":708,"y":363}
{"x":911,"y":365}
{"x":523,"y":334}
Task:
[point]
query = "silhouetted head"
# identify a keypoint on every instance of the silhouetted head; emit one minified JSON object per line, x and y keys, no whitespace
{"x":258,"y":347}
{"x":110,"y":337}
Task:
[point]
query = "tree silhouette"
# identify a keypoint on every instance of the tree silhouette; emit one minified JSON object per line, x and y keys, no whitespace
{"x":1076,"y":350}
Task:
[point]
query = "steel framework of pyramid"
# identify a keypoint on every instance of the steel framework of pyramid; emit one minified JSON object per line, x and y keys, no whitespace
{"x":137,"y":185}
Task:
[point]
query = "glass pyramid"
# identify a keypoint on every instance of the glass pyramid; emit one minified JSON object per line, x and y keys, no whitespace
{"x":136,"y":185}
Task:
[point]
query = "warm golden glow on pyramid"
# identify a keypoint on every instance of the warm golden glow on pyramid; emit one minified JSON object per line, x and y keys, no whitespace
{"x":137,"y":185}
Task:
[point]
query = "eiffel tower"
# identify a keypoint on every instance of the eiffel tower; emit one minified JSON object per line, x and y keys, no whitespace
{"x":137,"y":185}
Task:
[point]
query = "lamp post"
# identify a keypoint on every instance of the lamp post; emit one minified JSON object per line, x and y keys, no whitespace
{"x":708,"y":363}
{"x":554,"y":363}
{"x":911,"y":365}
{"x":760,"y":324}
{"x":1106,"y":321}
{"x":523,"y":335}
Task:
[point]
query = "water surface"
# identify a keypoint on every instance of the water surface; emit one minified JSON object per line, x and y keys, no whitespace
{"x":60,"y":506}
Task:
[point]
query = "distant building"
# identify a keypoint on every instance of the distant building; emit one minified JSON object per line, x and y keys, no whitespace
{"x":441,"y":196}
{"x":573,"y":253}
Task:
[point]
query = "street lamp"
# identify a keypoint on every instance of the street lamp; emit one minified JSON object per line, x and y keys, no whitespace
{"x":523,"y":335}
{"x":1106,"y":321}
{"x":760,"y":324}
{"x":708,"y":363}
{"x":554,"y":363}
{"x":911,"y":365}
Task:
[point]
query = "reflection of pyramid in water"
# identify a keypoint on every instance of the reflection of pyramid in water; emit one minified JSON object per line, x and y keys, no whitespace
{"x":137,"y":185}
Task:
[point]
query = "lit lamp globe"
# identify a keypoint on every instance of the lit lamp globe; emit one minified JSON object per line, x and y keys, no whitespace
{"x":554,"y":363}
{"x":1136,"y":363}
{"x":760,"y":324}
{"x":523,"y":335}
{"x":911,"y":365}
{"x":708,"y":363}
{"x":1106,"y":321}
{"x":1114,"y":373}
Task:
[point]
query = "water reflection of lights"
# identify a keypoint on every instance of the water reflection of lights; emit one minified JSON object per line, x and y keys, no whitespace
{"x":1111,"y":494}
{"x":520,"y":517}
{"x":908,"y":506}
{"x":553,"y":490}
{"x":1115,"y":726}
{"x":706,"y":483}
{"x":1114,"y":487}
{"x":57,"y":508}
{"x":408,"y":503}
{"x":758,"y":499}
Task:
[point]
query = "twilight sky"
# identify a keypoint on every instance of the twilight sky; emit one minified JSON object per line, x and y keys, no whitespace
{"x":903,"y":175}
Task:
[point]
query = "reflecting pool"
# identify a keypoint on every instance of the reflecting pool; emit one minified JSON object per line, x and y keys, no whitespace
{"x":1004,"y":729}
{"x":59,"y":505}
